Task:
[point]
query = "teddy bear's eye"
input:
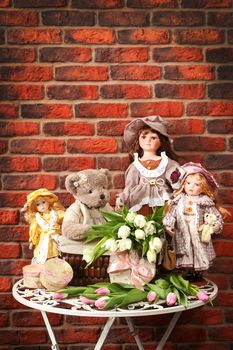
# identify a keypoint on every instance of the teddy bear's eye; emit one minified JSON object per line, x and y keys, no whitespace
{"x":90,"y":191}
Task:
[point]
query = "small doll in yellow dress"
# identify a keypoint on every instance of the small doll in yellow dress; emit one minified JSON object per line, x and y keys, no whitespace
{"x":44,"y":213}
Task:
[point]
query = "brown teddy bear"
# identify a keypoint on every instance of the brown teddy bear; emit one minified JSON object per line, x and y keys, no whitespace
{"x":90,"y":190}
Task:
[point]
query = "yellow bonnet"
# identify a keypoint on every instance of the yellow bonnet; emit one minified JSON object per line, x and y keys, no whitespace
{"x":40,"y":193}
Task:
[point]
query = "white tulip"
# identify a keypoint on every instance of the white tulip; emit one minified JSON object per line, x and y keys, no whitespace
{"x":151,"y":256}
{"x":130,"y":217}
{"x":139,"y":234}
{"x":124,"y":244}
{"x":123,"y":232}
{"x":155,"y":244}
{"x":149,"y":228}
{"x":87,"y":255}
{"x":140,"y":221}
{"x":110,"y":245}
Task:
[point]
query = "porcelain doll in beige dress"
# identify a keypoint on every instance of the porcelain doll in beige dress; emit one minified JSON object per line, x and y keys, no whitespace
{"x":188,"y":220}
{"x":154,"y":172}
{"x":44,"y":213}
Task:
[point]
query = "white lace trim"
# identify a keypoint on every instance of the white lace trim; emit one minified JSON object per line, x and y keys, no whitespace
{"x":152,"y":202}
{"x":151,"y":173}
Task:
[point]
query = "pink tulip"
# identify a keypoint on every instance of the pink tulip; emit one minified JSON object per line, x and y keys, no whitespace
{"x":102,"y":290}
{"x":171,"y":299}
{"x":59,"y":296}
{"x":202,"y":296}
{"x":87,"y":301}
{"x":151,"y":296}
{"x":101,"y":302}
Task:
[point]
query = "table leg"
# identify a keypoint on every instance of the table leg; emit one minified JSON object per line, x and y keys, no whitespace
{"x":168,"y":330}
{"x":134,"y":334}
{"x":104,"y":333}
{"x":55,"y":345}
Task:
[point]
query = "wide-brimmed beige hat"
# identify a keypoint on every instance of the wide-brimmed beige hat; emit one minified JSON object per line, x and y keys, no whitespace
{"x":154,"y":121}
{"x":196,"y":168}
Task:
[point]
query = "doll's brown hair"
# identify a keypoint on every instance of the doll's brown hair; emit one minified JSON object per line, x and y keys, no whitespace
{"x":31,"y":208}
{"x":165,"y":145}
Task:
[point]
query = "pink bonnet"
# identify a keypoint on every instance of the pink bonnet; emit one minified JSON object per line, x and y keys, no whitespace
{"x":194,"y":168}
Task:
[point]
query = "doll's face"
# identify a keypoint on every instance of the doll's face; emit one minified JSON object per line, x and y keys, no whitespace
{"x":149,"y":141}
{"x":42,"y":205}
{"x":193,"y":185}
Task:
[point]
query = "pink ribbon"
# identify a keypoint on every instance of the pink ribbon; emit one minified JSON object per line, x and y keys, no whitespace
{"x":141,"y":270}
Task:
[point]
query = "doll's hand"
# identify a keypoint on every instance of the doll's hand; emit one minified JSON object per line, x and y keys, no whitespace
{"x":170,"y":231}
{"x":31,"y":246}
{"x":119,"y":204}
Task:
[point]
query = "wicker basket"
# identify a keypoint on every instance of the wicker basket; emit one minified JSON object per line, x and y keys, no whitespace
{"x":97,"y":272}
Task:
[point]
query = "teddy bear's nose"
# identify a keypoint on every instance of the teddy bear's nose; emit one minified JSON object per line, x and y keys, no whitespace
{"x":102,"y":196}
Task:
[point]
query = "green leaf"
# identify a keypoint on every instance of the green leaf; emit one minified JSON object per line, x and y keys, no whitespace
{"x":72,"y":291}
{"x":160,"y":292}
{"x":177,"y":293}
{"x":115,"y":216}
{"x":183,"y":298}
{"x":114,"y":301}
{"x":162,"y":283}
{"x":133,"y":296}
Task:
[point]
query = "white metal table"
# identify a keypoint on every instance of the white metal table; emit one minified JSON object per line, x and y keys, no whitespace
{"x":41,"y":299}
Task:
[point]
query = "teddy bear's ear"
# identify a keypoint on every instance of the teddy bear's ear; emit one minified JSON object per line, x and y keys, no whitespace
{"x":72,"y":182}
{"x":107,"y":173}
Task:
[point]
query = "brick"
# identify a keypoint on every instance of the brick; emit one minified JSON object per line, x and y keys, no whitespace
{"x":68,"y":163}
{"x":164,"y":109}
{"x":195,"y":158}
{"x":9,"y":337}
{"x":220,"y":126}
{"x":205,"y":36}
{"x":9,"y":217}
{"x":222,"y":333}
{"x":39,"y":3}
{"x":33,"y":336}
{"x":128,"y":91}
{"x":231,"y":144}
{"x":5,"y":284}
{"x":225,"y":72}
{"x":26,"y":73}
{"x":177,"y":54}
{"x":143,"y":36}
{"x":69,"y":128}
{"x":12,"y":199}
{"x":134,"y":72}
{"x":206,"y":3}
{"x":184,"y":91}
{"x":113,"y":163}
{"x":226,"y":196}
{"x":152,"y":3}
{"x":219,"y":161}
{"x":68,"y":18}
{"x":8,"y":111}
{"x":39,"y":146}
{"x":111,"y":128}
{"x":124,"y":18}
{"x":34,"y":36}
{"x":86,"y":145}
{"x":3,"y":146}
{"x":81,"y":73}
{"x":190,"y":72}
{"x":181,"y":18}
{"x":74,"y":320}
{"x":5,"y":3}
{"x":199,"y":143}
{"x":228,"y":229}
{"x":46,"y":111}
{"x":16,"y":55}
{"x":14,"y":233}
{"x":101,"y":110}
{"x":29,"y":182}
{"x":9,"y":251}
{"x":4,"y":319}
{"x":10,"y":129}
{"x":221,"y":91}
{"x":20,"y":92}
{"x":19,"y":164}
{"x":205,"y":316}
{"x":7,"y":300}
{"x":223,"y":265}
{"x":90,"y":36}
{"x":71,"y":92}
{"x":65,"y":54}
{"x":228,"y":315}
{"x":72,"y":336}
{"x":223,"y":19}
{"x":190,"y":126}
{"x":118,"y":181}
{"x":219,"y":55}
{"x":223,"y":248}
{"x":2,"y":37}
{"x":19,"y":18}
{"x":98,"y":4}
{"x":33,"y":318}
{"x":226,"y":179}
{"x":220,"y":280}
{"x":230,"y":36}
{"x":189,"y":334}
{"x":123,"y":54}
{"x":210,"y":108}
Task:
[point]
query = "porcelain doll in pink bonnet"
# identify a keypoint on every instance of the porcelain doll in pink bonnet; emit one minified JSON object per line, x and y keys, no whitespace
{"x":193,"y":216}
{"x":154,"y":172}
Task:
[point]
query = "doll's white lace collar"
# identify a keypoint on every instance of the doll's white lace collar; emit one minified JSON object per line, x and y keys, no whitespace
{"x":151,"y":173}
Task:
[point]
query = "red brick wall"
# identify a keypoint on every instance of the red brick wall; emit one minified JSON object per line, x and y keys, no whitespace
{"x":73,"y":73}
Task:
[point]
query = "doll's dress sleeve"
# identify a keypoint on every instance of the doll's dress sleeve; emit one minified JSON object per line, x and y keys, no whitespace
{"x":174,"y":174}
{"x":34,"y":232}
{"x":207,"y":205}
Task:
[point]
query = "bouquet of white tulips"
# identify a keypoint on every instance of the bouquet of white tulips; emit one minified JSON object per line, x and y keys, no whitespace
{"x":126,"y":230}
